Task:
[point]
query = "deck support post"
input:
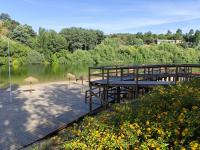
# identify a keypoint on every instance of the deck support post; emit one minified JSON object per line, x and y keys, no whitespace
{"x":118,"y":94}
{"x":136,"y":77}
{"x":90,"y":102}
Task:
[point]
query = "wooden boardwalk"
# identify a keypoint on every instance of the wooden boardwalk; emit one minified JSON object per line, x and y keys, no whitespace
{"x":113,"y":83}
{"x":31,"y":116}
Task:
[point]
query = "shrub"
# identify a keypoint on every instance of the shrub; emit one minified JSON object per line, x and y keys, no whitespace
{"x":34,"y":57}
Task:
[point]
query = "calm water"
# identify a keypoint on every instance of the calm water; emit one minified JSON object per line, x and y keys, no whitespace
{"x":45,"y":73}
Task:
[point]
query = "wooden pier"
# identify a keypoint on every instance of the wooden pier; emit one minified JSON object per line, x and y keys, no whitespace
{"x":115,"y":83}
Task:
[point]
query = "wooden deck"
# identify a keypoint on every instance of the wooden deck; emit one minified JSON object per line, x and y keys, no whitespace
{"x":111,"y":83}
{"x":116,"y":83}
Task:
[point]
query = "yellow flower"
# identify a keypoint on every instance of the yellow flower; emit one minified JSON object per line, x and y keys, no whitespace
{"x":148,"y":129}
{"x":160,"y":131}
{"x":194,"y":145}
{"x":176,"y":131}
{"x":175,"y":142}
{"x":194,"y":107}
{"x":165,"y":113}
{"x":131,"y":126}
{"x":122,"y":135}
{"x":183,"y":148}
{"x":184,"y":110}
{"x":185,"y":132}
{"x":147,"y":122}
{"x":138,"y":132}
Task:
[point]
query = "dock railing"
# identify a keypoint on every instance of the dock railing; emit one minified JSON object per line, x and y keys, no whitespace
{"x":108,"y":83}
{"x":175,"y":72}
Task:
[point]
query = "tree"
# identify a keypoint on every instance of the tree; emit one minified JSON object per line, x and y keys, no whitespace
{"x":191,"y":32}
{"x":178,"y":35}
{"x":79,"y":38}
{"x":179,"y":31}
{"x":197,"y":38}
{"x":23,"y":34}
{"x":169,"y":32}
{"x":132,"y":40}
{"x":51,"y":40}
{"x":4,"y":16}
{"x":148,"y":37}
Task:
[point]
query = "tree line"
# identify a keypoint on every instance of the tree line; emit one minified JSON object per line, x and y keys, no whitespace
{"x":78,"y":45}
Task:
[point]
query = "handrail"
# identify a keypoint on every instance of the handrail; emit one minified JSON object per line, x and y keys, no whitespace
{"x":143,"y":71}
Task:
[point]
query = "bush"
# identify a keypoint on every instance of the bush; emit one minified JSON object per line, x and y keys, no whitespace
{"x":34,"y":57}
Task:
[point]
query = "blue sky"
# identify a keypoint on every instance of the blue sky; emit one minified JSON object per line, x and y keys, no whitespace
{"x":110,"y":16}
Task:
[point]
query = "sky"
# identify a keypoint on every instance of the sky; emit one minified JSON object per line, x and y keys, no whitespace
{"x":110,"y":16}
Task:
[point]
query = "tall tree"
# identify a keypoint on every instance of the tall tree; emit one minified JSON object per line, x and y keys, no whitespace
{"x":178,"y":35}
{"x":23,"y":34}
{"x":79,"y":38}
{"x":197,"y":38}
{"x":4,"y":16}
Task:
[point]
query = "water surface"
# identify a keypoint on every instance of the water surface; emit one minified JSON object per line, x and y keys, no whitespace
{"x":44,"y":73}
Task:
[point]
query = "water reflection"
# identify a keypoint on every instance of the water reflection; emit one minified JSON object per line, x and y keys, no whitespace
{"x":44,"y":73}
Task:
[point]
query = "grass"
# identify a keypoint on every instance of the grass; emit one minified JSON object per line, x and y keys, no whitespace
{"x":166,"y":118}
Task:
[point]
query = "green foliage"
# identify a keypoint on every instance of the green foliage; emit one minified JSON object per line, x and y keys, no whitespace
{"x":34,"y":57}
{"x":4,"y":16}
{"x":23,"y":34}
{"x":18,"y":51}
{"x":79,"y":38}
{"x":51,"y":40}
{"x":85,"y":46}
{"x":111,"y":52}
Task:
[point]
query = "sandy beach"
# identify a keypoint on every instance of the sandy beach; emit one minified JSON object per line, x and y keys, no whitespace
{"x":27,"y":116}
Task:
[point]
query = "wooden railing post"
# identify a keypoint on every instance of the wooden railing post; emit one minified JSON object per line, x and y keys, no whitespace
{"x":89,"y":74}
{"x":136,"y":77}
{"x":108,"y":76}
{"x":122,"y":73}
{"x":102,"y":72}
{"x":90,"y":102}
{"x":176,"y":75}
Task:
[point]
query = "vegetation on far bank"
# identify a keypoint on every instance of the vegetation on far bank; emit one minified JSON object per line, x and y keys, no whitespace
{"x":92,"y":47}
{"x":166,"y":118}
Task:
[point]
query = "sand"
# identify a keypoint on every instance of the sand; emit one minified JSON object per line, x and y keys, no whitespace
{"x":28,"y":116}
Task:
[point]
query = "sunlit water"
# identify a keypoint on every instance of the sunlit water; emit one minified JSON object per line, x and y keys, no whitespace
{"x":44,"y":73}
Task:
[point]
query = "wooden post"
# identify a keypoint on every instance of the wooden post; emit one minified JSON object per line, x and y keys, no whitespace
{"x":89,"y":73}
{"x":103,"y":73}
{"x":137,"y":87}
{"x":90,"y":102}
{"x":176,"y":75}
{"x":85,"y":96}
{"x":118,"y":94}
{"x":108,"y":76}
{"x":116,"y":71}
{"x":165,"y":76}
{"x":121,"y":74}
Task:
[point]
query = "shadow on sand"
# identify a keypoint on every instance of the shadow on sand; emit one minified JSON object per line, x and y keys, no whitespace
{"x":29,"y":116}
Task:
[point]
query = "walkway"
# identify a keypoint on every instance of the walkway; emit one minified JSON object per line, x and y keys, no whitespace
{"x":30,"y":116}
